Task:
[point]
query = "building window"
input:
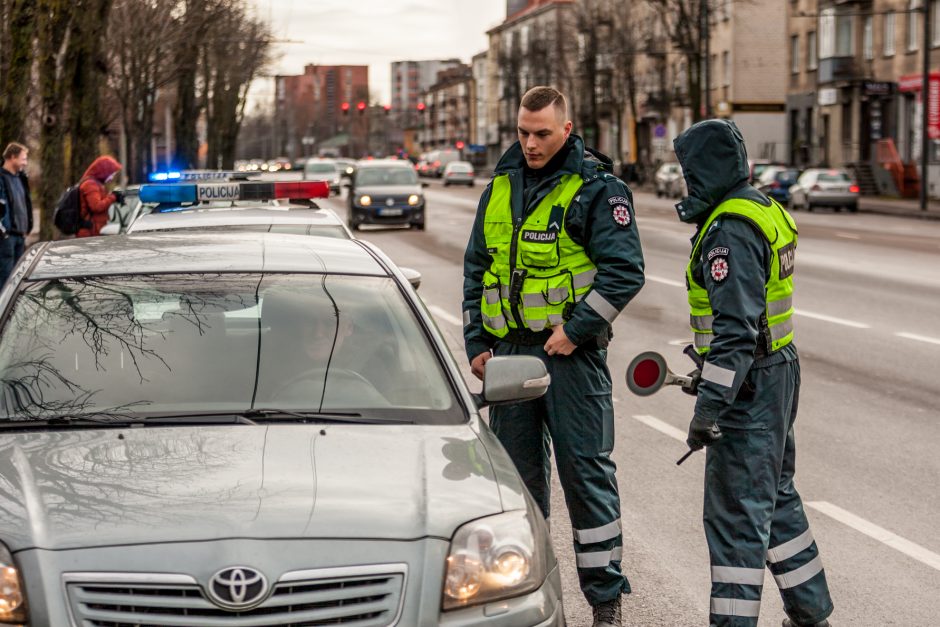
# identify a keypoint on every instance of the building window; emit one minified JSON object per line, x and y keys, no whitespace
{"x":889,"y":34}
{"x":912,"y":20}
{"x":867,"y":42}
{"x":836,"y":35}
{"x":795,"y":54}
{"x":726,"y":68}
{"x":811,"y":52}
{"x":935,"y":27}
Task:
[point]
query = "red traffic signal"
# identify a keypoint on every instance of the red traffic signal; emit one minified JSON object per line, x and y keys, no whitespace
{"x":361,"y":106}
{"x":345,"y":107}
{"x":388,"y":108}
{"x":420,"y":106}
{"x":459,"y":145}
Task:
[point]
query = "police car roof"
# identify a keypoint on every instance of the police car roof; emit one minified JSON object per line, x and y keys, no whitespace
{"x":199,"y":217}
{"x":177,"y":252}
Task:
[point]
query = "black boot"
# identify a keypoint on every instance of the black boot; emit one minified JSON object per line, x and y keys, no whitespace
{"x":608,"y":613}
{"x":789,"y":623}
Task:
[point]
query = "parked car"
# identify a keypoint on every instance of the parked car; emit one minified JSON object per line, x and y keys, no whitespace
{"x":459,"y":173}
{"x":323,"y":170}
{"x":438,"y":160}
{"x":818,"y":187}
{"x":386,"y":191}
{"x":776,"y":182}
{"x":253,"y":428}
{"x":757,"y":167}
{"x":669,"y":181}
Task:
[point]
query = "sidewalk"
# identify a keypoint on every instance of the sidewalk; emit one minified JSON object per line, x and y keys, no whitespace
{"x":906,"y":207}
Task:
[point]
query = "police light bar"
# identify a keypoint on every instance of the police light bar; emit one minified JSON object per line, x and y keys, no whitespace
{"x":193,"y":175}
{"x":215,"y":192}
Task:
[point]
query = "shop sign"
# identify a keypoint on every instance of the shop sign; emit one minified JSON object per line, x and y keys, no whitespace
{"x":828,"y":96}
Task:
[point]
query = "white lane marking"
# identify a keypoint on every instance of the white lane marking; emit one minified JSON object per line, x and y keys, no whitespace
{"x":658,"y":279}
{"x":848,"y":235}
{"x":918,"y":338}
{"x":446,"y":317}
{"x":880,"y":534}
{"x":662,"y":427}
{"x":679,"y":342}
{"x":834,"y":320}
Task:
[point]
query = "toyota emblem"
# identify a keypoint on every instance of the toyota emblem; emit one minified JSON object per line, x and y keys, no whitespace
{"x":237,"y":587}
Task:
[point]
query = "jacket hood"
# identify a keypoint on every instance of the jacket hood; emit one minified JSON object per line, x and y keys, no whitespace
{"x":83,"y":488}
{"x":102,"y":168}
{"x":514,"y":159}
{"x":714,"y":163}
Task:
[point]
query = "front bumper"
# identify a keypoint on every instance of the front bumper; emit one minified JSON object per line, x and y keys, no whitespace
{"x":389,"y":215}
{"x":54,"y":601}
{"x":833,"y":199}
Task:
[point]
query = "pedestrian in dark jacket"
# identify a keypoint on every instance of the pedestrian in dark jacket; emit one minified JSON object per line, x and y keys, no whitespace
{"x":95,"y":197}
{"x":740,"y":287}
{"x":16,"y":208}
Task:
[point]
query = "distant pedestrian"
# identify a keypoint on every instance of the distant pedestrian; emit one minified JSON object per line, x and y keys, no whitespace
{"x":16,"y":208}
{"x":95,"y":197}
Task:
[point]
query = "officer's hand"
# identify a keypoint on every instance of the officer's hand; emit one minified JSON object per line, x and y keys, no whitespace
{"x":118,"y":197}
{"x":478,"y":364}
{"x":558,"y":343}
{"x":702,"y":432}
{"x":692,"y":387}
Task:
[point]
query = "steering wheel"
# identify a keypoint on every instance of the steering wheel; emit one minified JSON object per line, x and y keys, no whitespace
{"x":335,"y":376}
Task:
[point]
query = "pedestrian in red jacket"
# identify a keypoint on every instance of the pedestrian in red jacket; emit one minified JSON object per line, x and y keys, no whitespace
{"x":95,"y":197}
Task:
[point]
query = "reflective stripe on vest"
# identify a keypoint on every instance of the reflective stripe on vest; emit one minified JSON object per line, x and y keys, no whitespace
{"x":558,"y":271}
{"x":780,"y":231}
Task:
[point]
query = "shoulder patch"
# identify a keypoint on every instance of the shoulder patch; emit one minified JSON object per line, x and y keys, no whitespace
{"x":722,"y":251}
{"x":621,"y":214}
{"x":618,"y":200}
{"x":719,"y":269}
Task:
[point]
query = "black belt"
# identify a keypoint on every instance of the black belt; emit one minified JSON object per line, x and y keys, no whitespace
{"x":16,"y":233}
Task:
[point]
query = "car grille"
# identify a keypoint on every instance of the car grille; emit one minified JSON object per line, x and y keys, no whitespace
{"x":366,"y":600}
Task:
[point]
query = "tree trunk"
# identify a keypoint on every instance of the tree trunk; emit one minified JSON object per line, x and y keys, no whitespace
{"x":18,"y":52}
{"x":186,"y":112}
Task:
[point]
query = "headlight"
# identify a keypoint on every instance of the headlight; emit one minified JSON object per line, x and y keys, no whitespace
{"x":365,"y":201}
{"x":493,"y":558}
{"x":12,"y":590}
{"x":414,"y":199}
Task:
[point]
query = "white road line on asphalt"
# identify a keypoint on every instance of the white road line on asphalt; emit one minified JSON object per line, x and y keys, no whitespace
{"x":834,"y":320}
{"x":679,"y":342}
{"x":918,"y":338}
{"x":848,"y":235}
{"x":896,"y":542}
{"x":658,"y":279}
{"x":446,"y":317}
{"x":662,"y":427}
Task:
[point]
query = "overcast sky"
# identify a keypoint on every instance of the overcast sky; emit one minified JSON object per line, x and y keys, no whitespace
{"x":375,"y":33}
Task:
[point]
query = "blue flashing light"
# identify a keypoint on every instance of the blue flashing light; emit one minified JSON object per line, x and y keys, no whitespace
{"x":167,"y":193}
{"x":162,"y":177}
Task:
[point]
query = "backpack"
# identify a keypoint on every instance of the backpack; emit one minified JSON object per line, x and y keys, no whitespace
{"x":68,"y":211}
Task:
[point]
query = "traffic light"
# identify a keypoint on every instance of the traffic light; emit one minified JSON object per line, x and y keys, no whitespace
{"x":345,"y":108}
{"x":459,"y":145}
{"x":388,"y":109}
{"x":421,"y":107}
{"x":361,"y":107}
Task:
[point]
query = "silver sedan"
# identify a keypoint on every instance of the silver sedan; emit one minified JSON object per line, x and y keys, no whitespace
{"x":818,"y":187}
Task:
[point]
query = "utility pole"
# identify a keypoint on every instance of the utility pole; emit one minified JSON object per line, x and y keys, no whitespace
{"x":706,"y":34}
{"x":925,"y":107}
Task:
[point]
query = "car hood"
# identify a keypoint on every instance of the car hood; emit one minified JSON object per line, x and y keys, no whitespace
{"x":387,"y":190}
{"x":82,"y":488}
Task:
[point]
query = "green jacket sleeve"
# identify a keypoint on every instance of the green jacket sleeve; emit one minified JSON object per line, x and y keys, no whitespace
{"x":605,"y":225}
{"x":733,"y":264}
{"x":476,"y":261}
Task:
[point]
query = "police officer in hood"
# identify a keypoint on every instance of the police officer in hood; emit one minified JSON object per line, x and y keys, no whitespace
{"x":740,"y":286}
{"x":553,"y":259}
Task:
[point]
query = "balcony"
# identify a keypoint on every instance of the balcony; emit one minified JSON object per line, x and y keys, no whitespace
{"x":836,"y":69}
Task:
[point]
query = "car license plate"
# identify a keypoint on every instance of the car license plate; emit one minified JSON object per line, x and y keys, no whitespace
{"x":390,"y":212}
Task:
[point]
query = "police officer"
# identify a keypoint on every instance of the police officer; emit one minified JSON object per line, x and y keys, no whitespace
{"x":740,"y":286}
{"x":553,"y":259}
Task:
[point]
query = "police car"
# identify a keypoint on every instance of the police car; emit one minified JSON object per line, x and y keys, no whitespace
{"x":279,"y":207}
{"x":252,"y":428}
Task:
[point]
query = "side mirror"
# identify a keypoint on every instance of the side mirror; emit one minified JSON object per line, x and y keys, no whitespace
{"x":513,"y":379}
{"x":425,"y":184}
{"x":112,"y":228}
{"x":413,"y":276}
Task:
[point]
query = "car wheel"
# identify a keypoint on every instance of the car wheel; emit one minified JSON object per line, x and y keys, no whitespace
{"x":446,"y":183}
{"x":809,"y":207}
{"x":853,"y":208}
{"x":353,"y":221}
{"x":659,"y":194}
{"x":418,"y":225}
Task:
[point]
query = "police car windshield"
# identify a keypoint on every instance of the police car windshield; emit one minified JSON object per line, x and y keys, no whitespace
{"x":320,"y":168}
{"x":219,"y":342}
{"x":386,"y":176}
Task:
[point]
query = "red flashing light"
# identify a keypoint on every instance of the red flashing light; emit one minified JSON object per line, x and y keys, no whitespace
{"x":302,"y":189}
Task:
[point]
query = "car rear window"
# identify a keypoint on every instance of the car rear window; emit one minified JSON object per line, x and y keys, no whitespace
{"x":833,"y":177}
{"x":320,"y":168}
{"x":460,"y":167}
{"x":119,"y":346}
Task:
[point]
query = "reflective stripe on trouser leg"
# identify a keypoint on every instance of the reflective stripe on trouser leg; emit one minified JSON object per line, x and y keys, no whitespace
{"x":581,"y":423}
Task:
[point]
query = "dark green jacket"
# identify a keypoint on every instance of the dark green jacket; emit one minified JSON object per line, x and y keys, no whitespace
{"x":714,"y":163}
{"x":614,"y":248}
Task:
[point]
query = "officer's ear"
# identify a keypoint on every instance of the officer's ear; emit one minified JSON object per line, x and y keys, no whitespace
{"x":568,"y":126}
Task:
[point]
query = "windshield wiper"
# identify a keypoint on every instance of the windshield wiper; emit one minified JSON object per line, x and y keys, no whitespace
{"x":338,"y":417}
{"x":120,"y":420}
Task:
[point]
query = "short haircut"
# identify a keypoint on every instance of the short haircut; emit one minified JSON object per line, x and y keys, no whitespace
{"x":542,"y":96}
{"x":13,"y":150}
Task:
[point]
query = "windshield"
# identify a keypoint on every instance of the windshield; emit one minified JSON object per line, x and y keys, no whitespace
{"x":187,"y":343}
{"x":321,"y":168}
{"x":460,"y":167}
{"x":833,"y":177}
{"x":386,"y":176}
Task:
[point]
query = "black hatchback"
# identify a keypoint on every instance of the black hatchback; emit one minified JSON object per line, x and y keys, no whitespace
{"x":386,"y":192}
